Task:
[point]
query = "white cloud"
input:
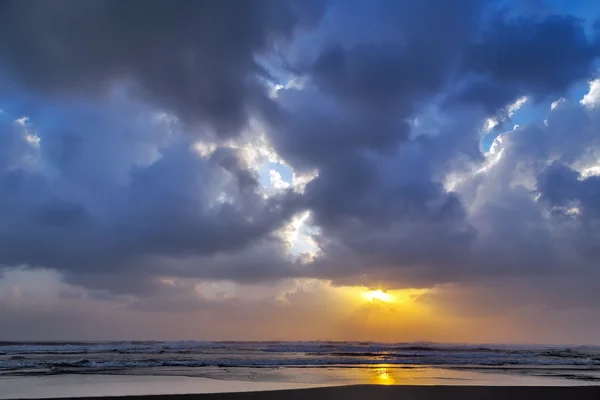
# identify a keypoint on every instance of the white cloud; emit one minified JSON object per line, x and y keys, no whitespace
{"x":514,"y":107}
{"x":592,"y":98}
{"x":21,"y":144}
{"x":254,"y":147}
{"x":590,"y":171}
{"x":33,"y":140}
{"x":299,"y":181}
{"x":556,"y":103}
{"x":276,"y":181}
{"x":510,"y":110}
{"x":296,"y":83}
{"x":22,"y":121}
{"x":298,"y":235}
{"x":490,"y":123}
{"x":204,"y":149}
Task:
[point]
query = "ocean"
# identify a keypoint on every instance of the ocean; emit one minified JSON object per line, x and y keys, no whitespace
{"x":303,"y":362}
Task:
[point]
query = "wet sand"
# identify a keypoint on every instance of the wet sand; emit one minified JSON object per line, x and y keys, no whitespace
{"x":108,"y":386}
{"x":351,"y":383}
{"x":377,"y":392}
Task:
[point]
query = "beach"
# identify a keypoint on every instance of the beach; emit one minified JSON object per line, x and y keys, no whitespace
{"x":380,"y":392}
{"x":290,"y":382}
{"x":81,"y":370}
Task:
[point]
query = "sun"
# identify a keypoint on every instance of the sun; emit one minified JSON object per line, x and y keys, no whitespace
{"x":379,"y":295}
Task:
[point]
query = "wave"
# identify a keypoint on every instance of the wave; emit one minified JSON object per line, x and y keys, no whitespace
{"x":267,"y":347}
{"x":91,"y":365}
{"x":102,"y":347}
{"x":81,"y":357}
{"x":151,"y":363}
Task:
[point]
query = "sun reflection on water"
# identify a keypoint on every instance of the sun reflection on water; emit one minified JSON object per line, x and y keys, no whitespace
{"x":384,"y":376}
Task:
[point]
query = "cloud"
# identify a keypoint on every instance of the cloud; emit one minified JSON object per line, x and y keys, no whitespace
{"x":528,"y":56}
{"x":384,"y":212}
{"x":534,"y":217}
{"x":193,"y":59}
{"x":592,"y":98}
{"x":119,"y":187}
{"x":276,"y":181}
{"x":132,"y":163}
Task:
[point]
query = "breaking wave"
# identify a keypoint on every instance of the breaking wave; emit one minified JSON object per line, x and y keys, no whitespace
{"x":79,"y":357}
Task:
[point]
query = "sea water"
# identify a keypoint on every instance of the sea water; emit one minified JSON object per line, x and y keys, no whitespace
{"x":297,"y":364}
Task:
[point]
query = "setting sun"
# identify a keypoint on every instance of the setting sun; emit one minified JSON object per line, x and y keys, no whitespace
{"x":380,"y":295}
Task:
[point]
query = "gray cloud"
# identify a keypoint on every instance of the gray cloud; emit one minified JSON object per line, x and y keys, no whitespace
{"x":192,"y":58}
{"x":561,"y":186}
{"x":527,"y":56}
{"x":114,"y":196}
{"x":150,"y":207}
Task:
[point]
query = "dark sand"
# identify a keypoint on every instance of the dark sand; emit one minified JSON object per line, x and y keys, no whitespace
{"x":375,"y":392}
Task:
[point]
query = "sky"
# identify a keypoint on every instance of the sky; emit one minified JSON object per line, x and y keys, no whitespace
{"x":373,"y":170}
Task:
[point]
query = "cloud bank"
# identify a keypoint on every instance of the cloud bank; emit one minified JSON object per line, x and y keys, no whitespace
{"x":150,"y":149}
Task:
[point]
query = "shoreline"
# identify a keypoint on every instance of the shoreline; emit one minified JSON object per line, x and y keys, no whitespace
{"x":247,"y":380}
{"x":382,"y":392}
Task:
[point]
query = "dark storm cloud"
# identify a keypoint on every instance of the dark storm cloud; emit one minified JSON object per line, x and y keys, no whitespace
{"x":62,"y":214}
{"x":405,"y":61}
{"x":366,"y":84}
{"x":193,"y":58}
{"x":379,"y":75}
{"x":189,"y":220}
{"x":561,"y":186}
{"x":320,"y":134}
{"x":130,"y":212}
{"x":386,"y":219}
{"x":229,"y":160}
{"x":102,"y":203}
{"x":377,"y":192}
{"x":546,"y":56}
{"x":528,"y":56}
{"x":114,"y":200}
{"x":379,"y":200}
{"x":489,"y":95}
